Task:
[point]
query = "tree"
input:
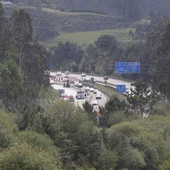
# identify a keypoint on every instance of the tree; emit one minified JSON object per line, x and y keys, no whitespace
{"x":7,"y":130}
{"x":162,"y":63}
{"x":133,"y":142}
{"x":107,"y":160}
{"x":21,"y":30}
{"x":66,"y":53}
{"x":89,"y":142}
{"x":41,"y":141}
{"x":166,"y":165}
{"x":142,"y":98}
{"x":106,"y":42}
{"x":11,"y":76}
{"x":5,"y":35}
{"x":23,"y":156}
{"x":34,"y":64}
{"x":90,"y":111}
{"x":112,"y":107}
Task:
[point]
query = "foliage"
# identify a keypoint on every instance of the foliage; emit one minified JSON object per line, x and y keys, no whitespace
{"x":23,"y":156}
{"x":5,"y":35}
{"x":161,"y":109}
{"x":34,"y":65}
{"x":7,"y":130}
{"x":112,"y":112}
{"x":107,"y":160}
{"x":142,"y":98}
{"x":21,"y":27}
{"x":106,"y":42}
{"x":89,"y":141}
{"x":89,"y":110}
{"x":100,"y":57}
{"x":43,"y":142}
{"x":22,"y":61}
{"x":166,"y":165}
{"x":161,"y":74}
{"x":51,"y":130}
{"x":11,"y":76}
{"x":78,"y":140}
{"x":66,"y":53}
{"x":135,"y":143}
{"x":114,"y":104}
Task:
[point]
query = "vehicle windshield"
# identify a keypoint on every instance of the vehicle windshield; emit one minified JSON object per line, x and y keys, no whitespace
{"x":80,"y":92}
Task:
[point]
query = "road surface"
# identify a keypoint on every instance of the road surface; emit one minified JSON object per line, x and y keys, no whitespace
{"x":97,"y":78}
{"x":79,"y":102}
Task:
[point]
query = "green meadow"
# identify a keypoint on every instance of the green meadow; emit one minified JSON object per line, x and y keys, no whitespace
{"x":89,"y":37}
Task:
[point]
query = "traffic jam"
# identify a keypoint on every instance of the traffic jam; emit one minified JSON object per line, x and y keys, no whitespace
{"x":72,"y":89}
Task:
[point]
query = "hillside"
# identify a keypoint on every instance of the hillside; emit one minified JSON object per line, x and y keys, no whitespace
{"x":57,"y":21}
{"x":47,"y":23}
{"x":88,"y":37}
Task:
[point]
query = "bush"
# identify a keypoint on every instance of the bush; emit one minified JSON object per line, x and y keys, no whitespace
{"x":116,"y":118}
{"x":7,"y":129}
{"x":41,"y":141}
{"x":24,"y":156}
{"x":107,"y":160}
{"x":161,"y":109}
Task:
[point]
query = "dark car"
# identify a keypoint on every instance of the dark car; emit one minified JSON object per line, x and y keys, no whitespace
{"x":106,"y":78}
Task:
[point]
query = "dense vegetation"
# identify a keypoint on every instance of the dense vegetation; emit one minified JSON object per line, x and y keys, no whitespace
{"x":100,"y":57}
{"x":39,"y":131}
{"x":62,"y":136}
{"x":22,"y":60}
{"x":60,"y":16}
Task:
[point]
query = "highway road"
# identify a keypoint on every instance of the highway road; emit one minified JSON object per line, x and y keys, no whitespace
{"x":79,"y":102}
{"x":97,"y":78}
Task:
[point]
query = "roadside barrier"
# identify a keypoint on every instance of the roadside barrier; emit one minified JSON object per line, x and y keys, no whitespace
{"x":61,"y":79}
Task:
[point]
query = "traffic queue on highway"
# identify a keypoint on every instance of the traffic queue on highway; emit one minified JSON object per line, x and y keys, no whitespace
{"x":88,"y":94}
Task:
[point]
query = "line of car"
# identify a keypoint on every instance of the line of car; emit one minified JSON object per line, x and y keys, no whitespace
{"x":82,"y":93}
{"x":83,"y":76}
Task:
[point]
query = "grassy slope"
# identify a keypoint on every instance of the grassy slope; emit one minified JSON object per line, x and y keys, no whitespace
{"x":84,"y":28}
{"x":85,"y":38}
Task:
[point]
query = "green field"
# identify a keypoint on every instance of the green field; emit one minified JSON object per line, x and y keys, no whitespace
{"x":85,"y":38}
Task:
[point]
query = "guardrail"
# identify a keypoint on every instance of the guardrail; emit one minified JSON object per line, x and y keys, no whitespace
{"x":109,"y":85}
{"x":106,"y":84}
{"x":99,"y":83}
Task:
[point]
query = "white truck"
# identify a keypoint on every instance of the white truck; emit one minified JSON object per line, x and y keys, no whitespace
{"x":80,"y":94}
